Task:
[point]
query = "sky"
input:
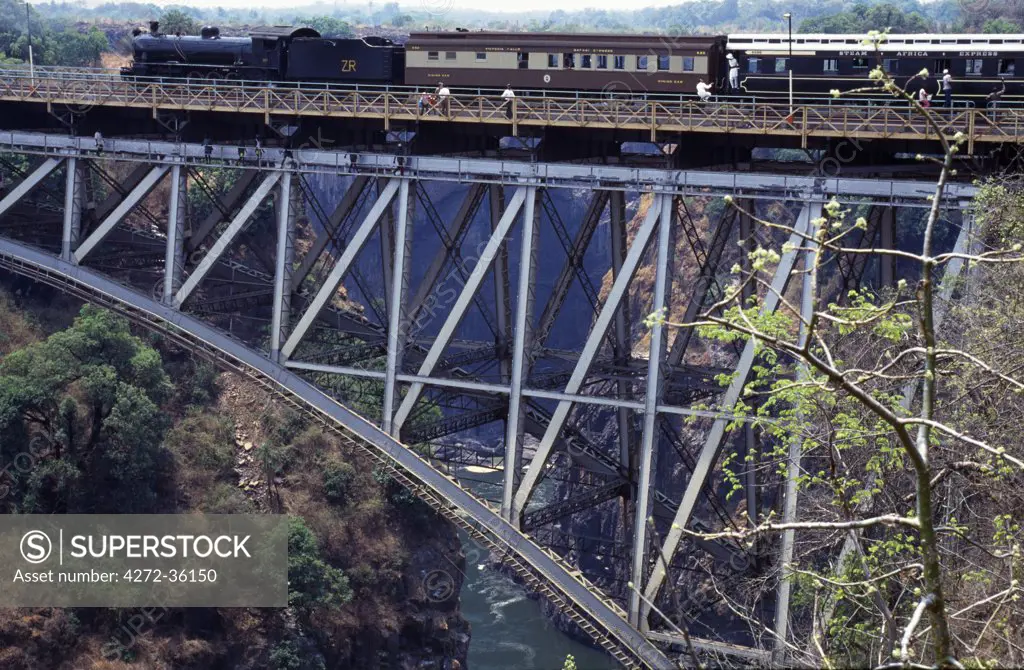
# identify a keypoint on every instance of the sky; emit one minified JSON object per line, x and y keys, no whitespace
{"x":435,"y":6}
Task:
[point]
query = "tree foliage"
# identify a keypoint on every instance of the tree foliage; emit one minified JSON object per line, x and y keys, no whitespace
{"x":87,"y":402}
{"x":311,"y":581}
{"x":898,"y":435}
{"x":863,"y":17}
{"x":177,"y":22}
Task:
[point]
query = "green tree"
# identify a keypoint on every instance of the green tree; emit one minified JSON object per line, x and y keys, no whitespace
{"x":73,"y":48}
{"x":863,"y":17}
{"x":868,"y":407}
{"x":1000,"y":25}
{"x":326,"y":25}
{"x":90,"y":395}
{"x":312,"y":582}
{"x":175,"y":21}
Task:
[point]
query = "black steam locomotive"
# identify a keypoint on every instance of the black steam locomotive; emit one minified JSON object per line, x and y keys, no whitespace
{"x":268,"y":54}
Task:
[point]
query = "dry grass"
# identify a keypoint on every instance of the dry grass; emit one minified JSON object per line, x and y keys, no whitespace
{"x":16,"y":329}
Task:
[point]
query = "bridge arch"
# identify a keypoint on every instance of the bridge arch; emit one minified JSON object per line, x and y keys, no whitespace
{"x":541,"y":569}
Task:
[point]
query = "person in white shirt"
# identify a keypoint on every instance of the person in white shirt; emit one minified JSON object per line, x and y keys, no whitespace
{"x":703,"y":91}
{"x":947,"y":87}
{"x":508,"y":96}
{"x":99,"y":142}
{"x":734,"y":72}
{"x":444,"y":95}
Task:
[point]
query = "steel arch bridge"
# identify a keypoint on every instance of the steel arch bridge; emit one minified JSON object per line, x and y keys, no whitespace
{"x":72,"y":221}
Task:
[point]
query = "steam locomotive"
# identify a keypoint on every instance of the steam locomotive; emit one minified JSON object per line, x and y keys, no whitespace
{"x":567,"y":63}
{"x":276,"y":53}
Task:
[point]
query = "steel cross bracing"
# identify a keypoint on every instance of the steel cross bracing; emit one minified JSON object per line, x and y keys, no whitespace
{"x":454,"y":351}
{"x":87,"y":90}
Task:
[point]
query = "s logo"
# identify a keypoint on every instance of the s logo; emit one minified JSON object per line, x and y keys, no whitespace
{"x":36,"y":546}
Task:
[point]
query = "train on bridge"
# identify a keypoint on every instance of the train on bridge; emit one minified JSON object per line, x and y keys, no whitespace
{"x":983,"y":68}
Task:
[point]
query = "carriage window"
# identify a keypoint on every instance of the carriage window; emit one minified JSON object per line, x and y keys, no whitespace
{"x":480,"y":55}
{"x":449,"y":55}
{"x":1007,"y":66}
{"x":754,"y":65}
{"x":432,"y":55}
{"x":552,"y":60}
{"x":602,"y":62}
{"x":781,"y":64}
{"x":974,"y":66}
{"x":585,"y":61}
{"x":523,"y":60}
{"x":641,"y":62}
{"x":569,"y":60}
{"x":831,"y":65}
{"x":860,"y":62}
{"x":620,"y":62}
{"x":940,"y":64}
{"x":663,"y":62}
{"x":890,"y":65}
{"x":687,"y":63}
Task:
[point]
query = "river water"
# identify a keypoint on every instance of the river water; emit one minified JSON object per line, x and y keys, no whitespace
{"x":509,"y":632}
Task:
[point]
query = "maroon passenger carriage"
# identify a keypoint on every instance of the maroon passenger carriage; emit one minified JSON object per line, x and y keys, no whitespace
{"x":569,"y":62}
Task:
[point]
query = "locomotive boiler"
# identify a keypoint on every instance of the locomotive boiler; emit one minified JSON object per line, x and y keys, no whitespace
{"x":277,"y":53}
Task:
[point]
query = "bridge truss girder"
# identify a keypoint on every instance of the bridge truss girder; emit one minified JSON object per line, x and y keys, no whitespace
{"x":499,"y":367}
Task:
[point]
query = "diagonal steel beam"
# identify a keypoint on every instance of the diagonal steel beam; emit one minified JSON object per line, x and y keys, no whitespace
{"x":590,"y":349}
{"x":698,"y":295}
{"x":236,"y":226}
{"x":222,"y":208}
{"x":450,"y":244}
{"x":28,"y":183}
{"x":119,"y":188}
{"x":588,"y":499}
{"x":709,"y":452}
{"x":330,"y":285}
{"x":458,"y":310}
{"x":502,"y":303}
{"x":147,"y":184}
{"x":340,"y":213}
{"x":572,"y":264}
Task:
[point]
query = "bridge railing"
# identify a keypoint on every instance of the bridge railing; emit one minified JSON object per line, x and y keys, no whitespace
{"x":813,"y":117}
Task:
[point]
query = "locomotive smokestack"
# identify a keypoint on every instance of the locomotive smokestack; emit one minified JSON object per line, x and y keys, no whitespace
{"x":154,"y":27}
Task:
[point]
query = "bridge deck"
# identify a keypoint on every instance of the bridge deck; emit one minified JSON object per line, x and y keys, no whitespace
{"x":659,"y":118}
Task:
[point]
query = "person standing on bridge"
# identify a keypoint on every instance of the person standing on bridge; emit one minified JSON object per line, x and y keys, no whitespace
{"x":98,"y":137}
{"x":923,"y":98}
{"x":444,"y":95}
{"x":508,"y":96}
{"x":734,"y":73}
{"x":207,"y":149}
{"x":259,"y":152}
{"x":947,"y":87}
